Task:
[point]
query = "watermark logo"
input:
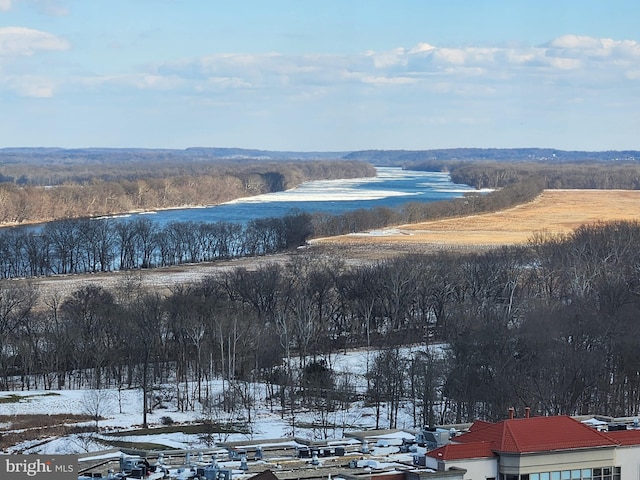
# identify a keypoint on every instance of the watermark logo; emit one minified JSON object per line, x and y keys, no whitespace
{"x":38,"y":467}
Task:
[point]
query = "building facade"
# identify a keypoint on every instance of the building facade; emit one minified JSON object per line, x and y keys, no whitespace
{"x":541,"y":448}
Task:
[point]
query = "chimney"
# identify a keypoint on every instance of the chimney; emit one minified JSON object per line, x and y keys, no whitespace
{"x":512,"y":412}
{"x":527,"y":412}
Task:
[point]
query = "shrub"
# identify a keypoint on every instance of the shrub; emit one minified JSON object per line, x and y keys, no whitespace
{"x":166,"y":420}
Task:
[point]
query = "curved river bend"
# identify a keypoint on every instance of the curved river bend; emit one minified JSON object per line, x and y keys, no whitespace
{"x":391,"y":188}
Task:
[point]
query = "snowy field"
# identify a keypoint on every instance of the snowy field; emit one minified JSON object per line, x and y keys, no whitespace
{"x":121,"y":411}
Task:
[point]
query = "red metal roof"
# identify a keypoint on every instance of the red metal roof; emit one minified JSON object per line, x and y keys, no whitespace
{"x":626,"y":438}
{"x":478,"y":424}
{"x":537,"y":434}
{"x":462,"y":451}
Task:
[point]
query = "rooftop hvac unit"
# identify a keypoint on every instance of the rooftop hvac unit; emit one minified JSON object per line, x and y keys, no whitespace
{"x":304,"y":452}
{"x":210,"y":473}
{"x":433,"y":438}
{"x":420,"y":460}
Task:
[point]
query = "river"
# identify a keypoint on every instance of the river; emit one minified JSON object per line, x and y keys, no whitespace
{"x":391,"y":187}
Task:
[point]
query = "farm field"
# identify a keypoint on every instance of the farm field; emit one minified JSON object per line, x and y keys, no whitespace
{"x":554,"y":212}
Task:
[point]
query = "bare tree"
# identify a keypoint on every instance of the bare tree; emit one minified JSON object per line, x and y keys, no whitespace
{"x":16,"y":305}
{"x":96,"y":403}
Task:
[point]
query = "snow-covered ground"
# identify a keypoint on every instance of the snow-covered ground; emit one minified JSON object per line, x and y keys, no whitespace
{"x":122,"y":411}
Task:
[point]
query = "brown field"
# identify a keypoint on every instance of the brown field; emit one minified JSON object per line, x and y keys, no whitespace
{"x":553,"y":212}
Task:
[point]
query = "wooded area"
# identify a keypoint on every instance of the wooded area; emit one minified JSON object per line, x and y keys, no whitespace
{"x":42,"y":193}
{"x":603,"y":176}
{"x":552,"y":326}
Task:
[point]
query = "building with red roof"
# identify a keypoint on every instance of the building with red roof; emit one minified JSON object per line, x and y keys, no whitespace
{"x":541,"y":448}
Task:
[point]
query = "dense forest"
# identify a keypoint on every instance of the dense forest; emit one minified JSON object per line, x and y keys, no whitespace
{"x":551,"y":325}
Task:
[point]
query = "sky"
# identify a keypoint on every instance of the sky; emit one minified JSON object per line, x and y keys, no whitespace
{"x":335,"y":75}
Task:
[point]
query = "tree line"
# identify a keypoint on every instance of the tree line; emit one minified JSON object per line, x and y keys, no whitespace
{"x":551,"y":325}
{"x":89,"y":246}
{"x":572,"y":175}
{"x":47,"y":193}
{"x":55,"y":166}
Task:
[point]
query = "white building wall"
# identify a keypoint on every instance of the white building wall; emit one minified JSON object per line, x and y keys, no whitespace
{"x":629,"y":459}
{"x":477,"y":469}
{"x":563,"y":460}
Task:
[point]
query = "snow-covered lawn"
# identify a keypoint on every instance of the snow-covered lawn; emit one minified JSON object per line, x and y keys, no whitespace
{"x":121,"y":412}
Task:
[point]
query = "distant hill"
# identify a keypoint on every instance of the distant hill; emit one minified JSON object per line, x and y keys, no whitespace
{"x":386,"y":157}
{"x":115,"y":155}
{"x":231,"y":153}
{"x":376,"y":157}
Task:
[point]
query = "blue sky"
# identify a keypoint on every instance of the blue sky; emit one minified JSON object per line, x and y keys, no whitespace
{"x":335,"y":75}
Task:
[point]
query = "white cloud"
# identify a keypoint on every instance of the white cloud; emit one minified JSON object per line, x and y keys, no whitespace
{"x":421,"y":48}
{"x":155,"y":82}
{"x":564,"y":63}
{"x":46,"y":7}
{"x":389,"y":59}
{"x":142,"y":81}
{"x":50,"y":7}
{"x":453,"y":56}
{"x":17,"y":42}
{"x":21,"y":41}
{"x":521,"y":56}
{"x":387,"y":80}
{"x":41,"y":90}
{"x":30,"y":86}
{"x":582,"y":47}
{"x":568,"y":65}
{"x":576,"y":42}
{"x":567,"y":62}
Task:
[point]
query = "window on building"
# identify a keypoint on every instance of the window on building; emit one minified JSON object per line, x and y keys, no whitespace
{"x":604,"y":473}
